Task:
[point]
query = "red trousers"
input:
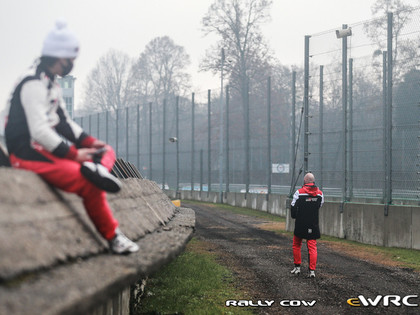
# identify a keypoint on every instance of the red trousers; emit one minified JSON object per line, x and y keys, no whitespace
{"x":65,"y":174}
{"x":312,"y":251}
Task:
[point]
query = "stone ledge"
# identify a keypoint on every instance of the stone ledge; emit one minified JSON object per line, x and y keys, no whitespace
{"x":41,"y":227}
{"x":52,"y":259}
{"x":77,"y":287}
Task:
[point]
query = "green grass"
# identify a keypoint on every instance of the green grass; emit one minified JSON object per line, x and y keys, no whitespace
{"x":194,"y":283}
{"x":406,"y":258}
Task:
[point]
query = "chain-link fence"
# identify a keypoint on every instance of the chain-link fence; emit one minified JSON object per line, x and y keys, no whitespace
{"x":369,"y":131}
{"x":346,"y":117}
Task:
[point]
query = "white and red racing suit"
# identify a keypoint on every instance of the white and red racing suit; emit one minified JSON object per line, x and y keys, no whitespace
{"x":36,"y":122}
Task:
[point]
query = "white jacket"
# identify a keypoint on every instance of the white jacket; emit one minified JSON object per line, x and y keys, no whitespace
{"x":37,"y":113}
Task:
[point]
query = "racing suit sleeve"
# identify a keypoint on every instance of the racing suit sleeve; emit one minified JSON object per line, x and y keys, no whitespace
{"x":34,"y":96}
{"x":293,"y":205}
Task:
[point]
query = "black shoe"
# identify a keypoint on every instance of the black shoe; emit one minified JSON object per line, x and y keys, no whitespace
{"x":100,"y":177}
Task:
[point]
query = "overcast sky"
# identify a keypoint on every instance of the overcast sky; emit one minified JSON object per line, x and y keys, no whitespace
{"x":128,"y":25}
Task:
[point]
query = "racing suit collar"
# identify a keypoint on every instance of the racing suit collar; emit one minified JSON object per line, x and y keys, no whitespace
{"x":311,"y":189}
{"x":40,"y":69}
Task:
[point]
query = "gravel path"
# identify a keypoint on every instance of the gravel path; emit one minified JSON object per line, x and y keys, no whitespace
{"x":262,"y":260}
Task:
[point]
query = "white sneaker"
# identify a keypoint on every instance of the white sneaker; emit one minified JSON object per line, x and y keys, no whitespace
{"x":295,"y":271}
{"x":120,"y":244}
{"x":311,"y":274}
{"x":100,"y":177}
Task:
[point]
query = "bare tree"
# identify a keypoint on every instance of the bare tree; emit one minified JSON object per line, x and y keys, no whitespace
{"x":109,"y":85}
{"x":160,"y":70}
{"x":376,"y":30}
{"x":160,"y":74}
{"x":237,"y":24}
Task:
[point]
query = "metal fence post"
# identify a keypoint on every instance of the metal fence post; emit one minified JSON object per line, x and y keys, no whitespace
{"x":306,"y":107}
{"x":385,"y":113}
{"x":177,"y":144}
{"x":201,"y":170}
{"x":221,"y":132}
{"x":192,"y":140}
{"x":350,"y":128}
{"x":321,"y":124}
{"x":97,"y":125}
{"x":269,"y":162}
{"x":209,"y":140}
{"x":107,"y":126}
{"x":150,"y":142}
{"x":164,"y":145}
{"x":247,"y":139}
{"x":126,"y":134}
{"x":138,"y":137}
{"x":293,"y":129}
{"x":116,"y":131}
{"x":388,"y":123}
{"x":227,"y":138}
{"x":344,"y":109}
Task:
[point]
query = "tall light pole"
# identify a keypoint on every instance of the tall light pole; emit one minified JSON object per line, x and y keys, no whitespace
{"x":221,"y":130}
{"x":343,"y":34}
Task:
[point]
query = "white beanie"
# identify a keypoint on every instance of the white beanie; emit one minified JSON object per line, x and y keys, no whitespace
{"x":60,"y":42}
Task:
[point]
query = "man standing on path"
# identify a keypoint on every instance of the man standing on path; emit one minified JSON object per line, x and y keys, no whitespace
{"x":36,"y":122}
{"x":305,"y":209}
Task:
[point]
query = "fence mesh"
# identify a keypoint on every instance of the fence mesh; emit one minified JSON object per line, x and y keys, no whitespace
{"x":348,"y":145}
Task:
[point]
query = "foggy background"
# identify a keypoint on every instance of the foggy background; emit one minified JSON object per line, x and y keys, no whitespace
{"x":128,"y":25}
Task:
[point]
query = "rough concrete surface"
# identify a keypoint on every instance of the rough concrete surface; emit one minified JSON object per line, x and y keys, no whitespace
{"x":53,"y":261}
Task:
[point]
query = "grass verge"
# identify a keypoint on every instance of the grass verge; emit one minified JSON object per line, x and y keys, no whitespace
{"x":391,"y":256}
{"x":194,"y":283}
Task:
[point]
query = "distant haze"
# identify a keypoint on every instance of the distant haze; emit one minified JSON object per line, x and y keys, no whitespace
{"x":128,"y":25}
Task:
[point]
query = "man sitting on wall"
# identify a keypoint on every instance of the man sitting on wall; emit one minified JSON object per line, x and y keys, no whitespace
{"x":37,"y":119}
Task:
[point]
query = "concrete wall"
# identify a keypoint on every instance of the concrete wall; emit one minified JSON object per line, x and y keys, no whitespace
{"x":366,"y":223}
{"x":361,"y":222}
{"x":274,"y":204}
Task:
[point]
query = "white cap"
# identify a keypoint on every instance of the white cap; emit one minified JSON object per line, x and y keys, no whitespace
{"x":60,"y":42}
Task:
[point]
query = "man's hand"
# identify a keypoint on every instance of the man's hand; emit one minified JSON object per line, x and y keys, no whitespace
{"x":85,"y":154}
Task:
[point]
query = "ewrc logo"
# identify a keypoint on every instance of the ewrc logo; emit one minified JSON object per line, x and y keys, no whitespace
{"x":265,"y":303}
{"x":387,"y":300}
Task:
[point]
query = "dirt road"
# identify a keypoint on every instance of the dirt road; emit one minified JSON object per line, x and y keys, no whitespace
{"x":261,"y":261}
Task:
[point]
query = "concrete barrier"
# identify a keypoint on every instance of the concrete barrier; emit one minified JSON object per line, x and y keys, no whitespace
{"x":366,"y":223}
{"x":358,"y":221}
{"x":53,"y":261}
